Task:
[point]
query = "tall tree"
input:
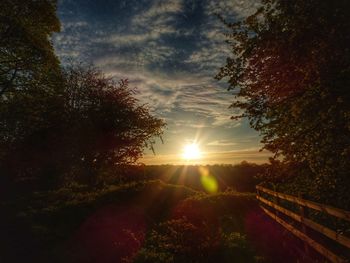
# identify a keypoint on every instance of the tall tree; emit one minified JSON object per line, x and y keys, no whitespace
{"x":30,"y":77}
{"x":290,"y":63}
{"x":106,"y":126}
{"x":86,"y":134}
{"x":61,"y":123}
{"x":26,"y":52}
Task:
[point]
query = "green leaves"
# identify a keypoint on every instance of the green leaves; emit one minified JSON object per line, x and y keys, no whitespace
{"x":289,"y":59}
{"x":26,"y":52}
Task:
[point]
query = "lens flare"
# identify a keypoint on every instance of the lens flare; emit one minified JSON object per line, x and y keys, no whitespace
{"x":208,"y":181}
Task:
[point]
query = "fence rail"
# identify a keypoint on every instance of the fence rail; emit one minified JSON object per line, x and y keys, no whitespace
{"x":306,"y":222}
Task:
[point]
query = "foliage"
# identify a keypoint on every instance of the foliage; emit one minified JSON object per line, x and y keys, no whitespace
{"x":30,"y":85}
{"x":40,"y":224}
{"x":233,"y":246}
{"x":26,"y":52}
{"x":61,"y":124}
{"x":290,"y":64}
{"x":86,"y":132}
{"x":106,"y":127}
{"x":204,"y":228}
{"x":179,"y":240}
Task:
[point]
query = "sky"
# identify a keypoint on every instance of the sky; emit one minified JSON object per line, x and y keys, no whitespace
{"x":170,"y":50}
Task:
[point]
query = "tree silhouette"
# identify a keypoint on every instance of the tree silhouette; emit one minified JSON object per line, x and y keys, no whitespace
{"x":290,"y":64}
{"x":108,"y":128}
{"x":61,"y":124}
{"x":26,"y":52}
{"x":30,"y":80}
{"x":89,"y":131}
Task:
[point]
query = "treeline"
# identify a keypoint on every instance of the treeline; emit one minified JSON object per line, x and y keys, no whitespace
{"x":60,"y":124}
{"x":242,"y":177}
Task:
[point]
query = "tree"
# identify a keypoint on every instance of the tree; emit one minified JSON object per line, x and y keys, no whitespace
{"x":30,"y":80}
{"x":94,"y":128}
{"x":290,"y":64}
{"x":107,"y":127}
{"x":61,"y":124}
{"x":26,"y":53}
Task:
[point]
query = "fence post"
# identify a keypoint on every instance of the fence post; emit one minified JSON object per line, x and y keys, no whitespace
{"x":276,"y":199}
{"x":303,"y":213}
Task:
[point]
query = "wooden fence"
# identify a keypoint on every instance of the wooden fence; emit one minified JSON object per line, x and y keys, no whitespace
{"x":301,"y":217}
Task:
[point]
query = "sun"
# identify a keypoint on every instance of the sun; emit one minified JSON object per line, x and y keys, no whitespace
{"x":191,"y":152}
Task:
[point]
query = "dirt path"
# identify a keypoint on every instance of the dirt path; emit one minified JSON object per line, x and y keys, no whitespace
{"x":274,"y":241}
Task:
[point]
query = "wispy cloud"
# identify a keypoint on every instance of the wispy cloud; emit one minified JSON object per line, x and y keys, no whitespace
{"x":222,"y":143}
{"x":238,"y":8}
{"x":158,"y":15}
{"x":170,"y":50}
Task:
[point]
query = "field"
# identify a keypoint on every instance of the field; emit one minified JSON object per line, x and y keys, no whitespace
{"x":142,"y":220}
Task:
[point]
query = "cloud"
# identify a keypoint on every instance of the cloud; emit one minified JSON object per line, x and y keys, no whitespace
{"x":158,"y":15}
{"x":237,"y":8}
{"x":170,"y":50}
{"x":222,"y":143}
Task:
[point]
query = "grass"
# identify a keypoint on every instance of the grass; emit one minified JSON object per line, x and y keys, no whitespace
{"x":144,"y":221}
